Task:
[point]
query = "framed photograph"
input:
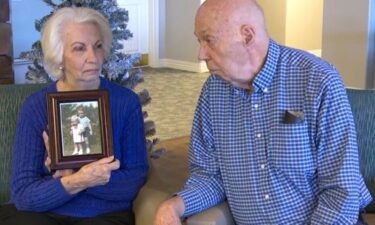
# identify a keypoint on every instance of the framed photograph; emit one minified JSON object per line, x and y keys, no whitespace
{"x":79,"y":128}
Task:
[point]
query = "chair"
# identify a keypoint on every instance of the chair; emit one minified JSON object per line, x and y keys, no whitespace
{"x":362,"y":103}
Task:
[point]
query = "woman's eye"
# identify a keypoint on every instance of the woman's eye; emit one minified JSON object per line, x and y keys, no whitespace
{"x":99,"y":46}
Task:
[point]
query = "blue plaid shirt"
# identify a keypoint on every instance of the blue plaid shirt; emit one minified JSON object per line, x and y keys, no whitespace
{"x":270,"y":171}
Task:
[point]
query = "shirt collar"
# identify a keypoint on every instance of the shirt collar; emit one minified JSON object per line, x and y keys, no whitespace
{"x":264,"y":78}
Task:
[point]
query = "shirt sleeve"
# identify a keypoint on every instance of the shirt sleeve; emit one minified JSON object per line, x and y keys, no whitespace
{"x":204,"y":188}
{"x":125,"y":182}
{"x":32,"y":189}
{"x":339,"y":178}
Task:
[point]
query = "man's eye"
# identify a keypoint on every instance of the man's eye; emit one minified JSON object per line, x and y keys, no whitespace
{"x":210,"y":40}
{"x":79,"y":48}
{"x":99,"y":46}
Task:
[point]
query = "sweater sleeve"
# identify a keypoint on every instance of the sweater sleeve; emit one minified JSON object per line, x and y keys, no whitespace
{"x":125,"y":182}
{"x":32,"y":189}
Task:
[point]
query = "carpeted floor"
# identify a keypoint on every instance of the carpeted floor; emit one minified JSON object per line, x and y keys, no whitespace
{"x":174,"y":95}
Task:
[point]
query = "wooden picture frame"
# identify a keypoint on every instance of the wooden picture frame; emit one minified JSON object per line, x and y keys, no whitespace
{"x":75,"y":139}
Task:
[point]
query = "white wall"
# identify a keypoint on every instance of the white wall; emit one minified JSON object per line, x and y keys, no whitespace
{"x":20,"y":69}
{"x":295,"y":23}
{"x":24,"y":32}
{"x":138,"y":25}
{"x":304,"y":24}
{"x":275,"y":14}
{"x":181,"y":46}
{"x":23,"y":15}
{"x":348,"y":40}
{"x":371,"y":47}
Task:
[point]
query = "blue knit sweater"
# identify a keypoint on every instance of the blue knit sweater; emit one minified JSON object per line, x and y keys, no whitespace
{"x":34,"y":189}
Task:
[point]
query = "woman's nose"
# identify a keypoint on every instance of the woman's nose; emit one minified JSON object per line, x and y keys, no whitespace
{"x":91,"y":55}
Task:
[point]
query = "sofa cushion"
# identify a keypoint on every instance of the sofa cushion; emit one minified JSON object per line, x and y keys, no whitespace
{"x":11,"y":97}
{"x":363,"y":106}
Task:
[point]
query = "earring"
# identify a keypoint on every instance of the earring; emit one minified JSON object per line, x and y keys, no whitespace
{"x":61,"y":67}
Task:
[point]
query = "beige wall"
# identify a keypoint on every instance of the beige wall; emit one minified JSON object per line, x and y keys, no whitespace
{"x":304,"y":24}
{"x":295,"y":23}
{"x":346,"y":40}
{"x":180,"y":42}
{"x":275,"y":13}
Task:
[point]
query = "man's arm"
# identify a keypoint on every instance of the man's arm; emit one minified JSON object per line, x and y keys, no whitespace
{"x":338,"y":168}
{"x":204,"y":187}
{"x":170,"y":212}
{"x":31,"y":188}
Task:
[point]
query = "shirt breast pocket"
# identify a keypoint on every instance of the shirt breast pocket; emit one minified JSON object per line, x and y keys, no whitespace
{"x":289,"y":147}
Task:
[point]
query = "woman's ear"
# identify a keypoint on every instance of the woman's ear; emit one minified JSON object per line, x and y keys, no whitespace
{"x":248,"y":34}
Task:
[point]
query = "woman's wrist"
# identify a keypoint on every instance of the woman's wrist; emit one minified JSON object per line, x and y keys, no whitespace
{"x":72,"y":185}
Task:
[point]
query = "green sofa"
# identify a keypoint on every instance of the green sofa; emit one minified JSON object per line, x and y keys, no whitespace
{"x":167,"y":174}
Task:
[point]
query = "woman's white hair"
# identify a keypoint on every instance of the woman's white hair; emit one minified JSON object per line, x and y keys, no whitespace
{"x":52,"y":39}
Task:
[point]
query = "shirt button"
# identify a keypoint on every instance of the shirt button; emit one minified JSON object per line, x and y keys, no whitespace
{"x":256,"y":106}
{"x":259,"y":135}
{"x":262,"y":166}
{"x":266,"y":197}
{"x":265,"y":90}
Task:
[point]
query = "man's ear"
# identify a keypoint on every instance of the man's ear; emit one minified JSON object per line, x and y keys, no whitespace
{"x":248,"y":33}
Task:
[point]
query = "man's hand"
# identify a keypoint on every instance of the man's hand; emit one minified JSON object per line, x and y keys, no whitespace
{"x":90,"y":175}
{"x":47,"y":162}
{"x":170,"y":212}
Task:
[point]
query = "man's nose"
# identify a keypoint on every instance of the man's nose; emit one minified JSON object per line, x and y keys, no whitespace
{"x":202,"y":52}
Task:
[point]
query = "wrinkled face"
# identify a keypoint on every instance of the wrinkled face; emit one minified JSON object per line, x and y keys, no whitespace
{"x":221,"y":47}
{"x":83,"y":54}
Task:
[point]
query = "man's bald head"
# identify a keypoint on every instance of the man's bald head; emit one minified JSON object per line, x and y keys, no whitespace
{"x":232,"y":39}
{"x":226,"y":14}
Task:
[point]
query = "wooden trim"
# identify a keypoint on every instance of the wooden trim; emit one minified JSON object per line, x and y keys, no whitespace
{"x":6,"y":45}
{"x":6,"y":81}
{"x":143,"y":61}
{"x":4,"y":10}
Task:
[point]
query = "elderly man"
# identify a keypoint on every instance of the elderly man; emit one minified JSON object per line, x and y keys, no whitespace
{"x":273,"y":131}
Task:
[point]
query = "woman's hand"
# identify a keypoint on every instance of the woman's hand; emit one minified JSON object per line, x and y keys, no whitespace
{"x":90,"y":175}
{"x":47,"y":162}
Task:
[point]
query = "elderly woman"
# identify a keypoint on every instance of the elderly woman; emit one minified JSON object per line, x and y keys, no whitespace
{"x":75,"y":43}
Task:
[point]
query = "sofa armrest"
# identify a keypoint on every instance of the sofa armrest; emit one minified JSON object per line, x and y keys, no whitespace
{"x":369,"y":218}
{"x":218,"y":215}
{"x":166,"y":176}
{"x":146,"y":203}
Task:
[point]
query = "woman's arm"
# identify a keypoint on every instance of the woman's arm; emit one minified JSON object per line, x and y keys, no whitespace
{"x":125,"y":182}
{"x":32,"y":186}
